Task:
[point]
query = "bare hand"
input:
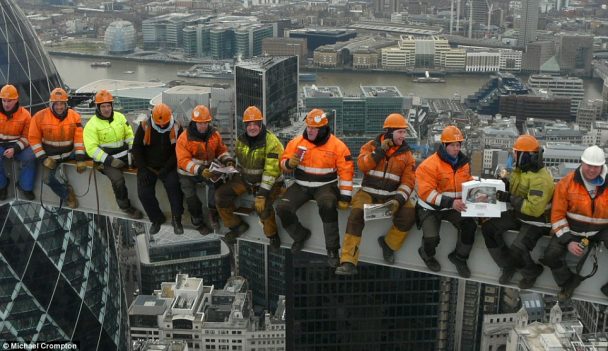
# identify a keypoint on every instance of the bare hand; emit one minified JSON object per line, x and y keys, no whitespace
{"x":458,"y":205}
{"x":575,"y":249}
{"x":9,"y":153}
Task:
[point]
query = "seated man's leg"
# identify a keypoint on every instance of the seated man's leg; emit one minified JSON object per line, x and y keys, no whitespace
{"x":57,"y":186}
{"x":602,"y":237}
{"x":225,"y":196}
{"x":194,"y":204}
{"x":293,"y":198}
{"x":27,"y":176}
{"x":327,"y":202}
{"x":176,"y":200}
{"x":3,"y":178}
{"x":268,"y":218}
{"x":403,"y":221}
{"x":146,"y":192}
{"x":467,"y":228}
{"x":121,"y":193}
{"x":430,"y":223}
{"x":523,"y":244}
{"x":493,"y":230}
{"x":555,"y":258}
{"x":352,"y":238}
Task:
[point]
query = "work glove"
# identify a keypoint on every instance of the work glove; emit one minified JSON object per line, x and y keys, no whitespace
{"x":343,"y":205}
{"x":144,"y":176}
{"x":81,"y":166}
{"x":503,"y":196}
{"x":393,"y":206}
{"x":260,"y":204}
{"x":205,"y":173}
{"x":49,"y":163}
{"x":387,"y":144}
{"x":117,"y":163}
{"x":294,"y":161}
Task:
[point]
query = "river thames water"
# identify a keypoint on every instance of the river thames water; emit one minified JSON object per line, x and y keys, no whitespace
{"x":77,"y":72}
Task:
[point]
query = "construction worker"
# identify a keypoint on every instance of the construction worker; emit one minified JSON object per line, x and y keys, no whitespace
{"x":55,"y":136}
{"x":108,"y":138}
{"x":154,"y":157}
{"x":323,"y":169}
{"x":257,"y":153}
{"x":389,"y":173}
{"x":529,"y":191}
{"x":14,"y":127}
{"x":196,"y":148}
{"x":579,"y":216}
{"x":439,"y":181}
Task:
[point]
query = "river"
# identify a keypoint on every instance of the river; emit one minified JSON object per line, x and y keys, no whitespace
{"x":77,"y":72}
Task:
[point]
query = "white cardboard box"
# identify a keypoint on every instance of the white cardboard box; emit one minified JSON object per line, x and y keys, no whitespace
{"x":480,"y":198}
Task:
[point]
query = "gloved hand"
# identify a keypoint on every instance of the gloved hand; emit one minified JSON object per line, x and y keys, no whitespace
{"x":393,"y":206}
{"x":387,"y":144}
{"x":230,"y":164}
{"x":260,"y":204}
{"x":49,"y":163}
{"x":343,"y":205}
{"x":81,"y":166}
{"x":144,"y":176}
{"x":503,"y":196}
{"x":294,"y":161}
{"x":205,"y":173}
{"x":117,"y":163}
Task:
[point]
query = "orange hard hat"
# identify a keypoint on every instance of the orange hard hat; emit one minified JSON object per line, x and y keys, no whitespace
{"x":201,"y":114}
{"x":58,"y":95}
{"x":252,"y":114}
{"x":103,"y":96}
{"x":316,"y":118}
{"x":526,"y":143}
{"x":161,"y":114}
{"x":9,"y":92}
{"x":451,"y":134}
{"x":395,"y":120}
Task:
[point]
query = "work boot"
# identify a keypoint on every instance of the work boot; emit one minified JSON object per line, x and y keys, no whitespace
{"x":528,"y":282}
{"x":203,"y":229}
{"x":346,"y":268}
{"x":333,"y":258}
{"x":26,"y":194}
{"x":506,"y":275}
{"x":461,"y":265}
{"x":387,"y":253}
{"x":604,"y":289}
{"x":133,"y":213}
{"x":71,"y":201}
{"x":568,"y":289}
{"x":275,"y":243}
{"x":155,"y":226}
{"x":235,"y":232}
{"x":299,"y":244}
{"x":197,"y":221}
{"x":176,"y":222}
{"x":430,"y":261}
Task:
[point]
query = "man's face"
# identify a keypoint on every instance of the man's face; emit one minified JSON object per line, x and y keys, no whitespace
{"x":59,"y":107}
{"x":399,"y":136}
{"x":8,"y":104}
{"x":312,"y":133}
{"x":106,"y":109}
{"x":453,"y":149}
{"x":202,"y":126}
{"x":590,"y":172}
{"x":253,"y":129}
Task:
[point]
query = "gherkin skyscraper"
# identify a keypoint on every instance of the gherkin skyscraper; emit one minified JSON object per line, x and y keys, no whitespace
{"x":23,"y":61}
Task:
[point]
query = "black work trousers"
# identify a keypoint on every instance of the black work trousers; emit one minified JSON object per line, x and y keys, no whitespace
{"x":147,"y":195}
{"x":430,"y":221}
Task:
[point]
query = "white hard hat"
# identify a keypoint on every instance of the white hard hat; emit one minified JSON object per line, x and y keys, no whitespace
{"x":594,"y":156}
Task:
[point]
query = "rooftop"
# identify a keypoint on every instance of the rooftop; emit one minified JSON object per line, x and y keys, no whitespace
{"x":150,"y":305}
{"x":322,"y":91}
{"x":380,"y":91}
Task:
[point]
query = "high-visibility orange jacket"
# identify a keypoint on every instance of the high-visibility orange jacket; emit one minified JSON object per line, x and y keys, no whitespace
{"x":54,"y":137}
{"x":387,"y":174}
{"x":195,"y":150}
{"x":439,"y":183}
{"x":322,"y":164}
{"x":574,"y":210}
{"x":14,"y":129}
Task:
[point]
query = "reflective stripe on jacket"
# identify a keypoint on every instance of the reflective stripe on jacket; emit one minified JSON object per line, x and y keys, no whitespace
{"x":575,"y":211}
{"x":14,"y":130}
{"x":322,"y":164}
{"x":103,"y":137}
{"x":192,"y":152}
{"x":259,"y":162}
{"x":390,"y":174}
{"x":438,"y":183}
{"x":54,"y":137}
{"x":147,"y":128}
{"x":536,"y":190}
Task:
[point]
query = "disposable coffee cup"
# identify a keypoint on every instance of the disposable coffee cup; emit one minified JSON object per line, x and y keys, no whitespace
{"x":301,"y":151}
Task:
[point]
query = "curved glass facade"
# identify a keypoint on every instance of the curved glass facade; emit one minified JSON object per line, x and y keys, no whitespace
{"x":23,"y":61}
{"x":120,"y":37}
{"x":59,"y":278}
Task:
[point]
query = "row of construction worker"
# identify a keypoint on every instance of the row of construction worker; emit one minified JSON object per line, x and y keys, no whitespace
{"x":323,"y":169}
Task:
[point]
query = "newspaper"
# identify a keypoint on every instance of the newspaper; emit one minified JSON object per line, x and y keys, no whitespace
{"x":480,"y":198}
{"x":221,"y":172}
{"x":377,"y":211}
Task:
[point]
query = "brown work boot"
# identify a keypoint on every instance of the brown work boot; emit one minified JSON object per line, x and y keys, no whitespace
{"x":346,"y":268}
{"x":71,"y":201}
{"x":275,"y":243}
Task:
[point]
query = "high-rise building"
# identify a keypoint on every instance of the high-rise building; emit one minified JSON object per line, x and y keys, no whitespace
{"x":588,"y":112}
{"x":60,"y":278}
{"x":537,"y":53}
{"x":319,"y":37}
{"x":271,"y":84}
{"x":570,"y":87}
{"x":575,"y":53}
{"x":528,"y":22}
{"x":120,"y":37}
{"x":24,"y":63}
{"x":478,"y":15}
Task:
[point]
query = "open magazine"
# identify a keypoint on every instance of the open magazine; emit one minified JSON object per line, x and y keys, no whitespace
{"x":221,"y":172}
{"x":480,"y":198}
{"x":376,"y":211}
